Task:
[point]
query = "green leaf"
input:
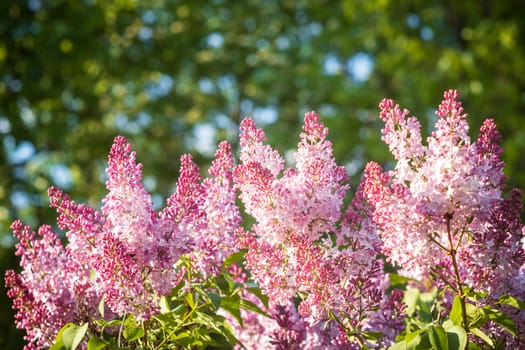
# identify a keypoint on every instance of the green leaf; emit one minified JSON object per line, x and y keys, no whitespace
{"x":175,"y":291}
{"x":398,"y":346}
{"x":411,"y":298}
{"x":233,"y":259}
{"x":480,"y":334}
{"x":59,"y":344}
{"x":447,"y":324}
{"x":413,"y":340}
{"x":231,"y":282}
{"x":189,"y":299}
{"x":457,"y":337}
{"x":225,"y":340}
{"x":473,"y":346}
{"x":73,"y":336}
{"x":371,"y":336}
{"x":476,"y":316}
{"x":475,"y":295}
{"x":202,"y":334}
{"x":417,"y":340}
{"x":115,"y":322}
{"x":398,"y":281}
{"x":248,"y":305}
{"x":101,"y":307}
{"x":215,"y":299}
{"x":231,"y":336}
{"x":213,"y":321}
{"x":164,"y":319}
{"x":512,"y":301}
{"x":456,"y":313}
{"x":259,"y":294}
{"x":183,"y":338}
{"x":438,"y":338}
{"x":232,"y":305}
{"x":132,"y":333}
{"x":223,"y":284}
{"x":180,"y":310}
{"x":420,"y":304}
{"x":95,"y":343}
{"x":502,"y":319}
{"x":129,"y":320}
{"x":164,"y":305}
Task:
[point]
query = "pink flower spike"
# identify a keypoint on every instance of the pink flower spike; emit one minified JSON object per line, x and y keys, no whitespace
{"x":84,"y":226}
{"x":183,"y":205}
{"x":127,"y":206}
{"x":221,"y":216}
{"x":315,"y":131}
{"x":133,"y":239}
{"x":401,"y":134}
{"x":450,"y":105}
{"x":250,"y":134}
{"x":452,"y":123}
{"x":222,"y":164}
{"x":488,"y":152}
{"x":253,"y":149}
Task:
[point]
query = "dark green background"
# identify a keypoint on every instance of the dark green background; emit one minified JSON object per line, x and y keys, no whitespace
{"x":73,"y":74}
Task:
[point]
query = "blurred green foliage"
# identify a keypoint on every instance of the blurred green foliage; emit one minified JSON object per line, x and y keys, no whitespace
{"x":177,"y":76}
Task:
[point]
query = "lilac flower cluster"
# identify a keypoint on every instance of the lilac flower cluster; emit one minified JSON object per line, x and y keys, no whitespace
{"x":126,"y":255}
{"x":303,"y":242}
{"x":441,"y":211}
{"x":50,"y":291}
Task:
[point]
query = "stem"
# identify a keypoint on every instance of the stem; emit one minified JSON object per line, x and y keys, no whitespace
{"x":435,"y":274}
{"x":120,"y":330}
{"x":459,"y":289}
{"x":432,"y":239}
{"x":145,"y":328}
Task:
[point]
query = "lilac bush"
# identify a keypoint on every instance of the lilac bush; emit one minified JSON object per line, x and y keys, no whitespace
{"x":313,"y":271}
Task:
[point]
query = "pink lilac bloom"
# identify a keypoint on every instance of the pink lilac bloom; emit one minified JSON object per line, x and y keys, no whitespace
{"x":136,"y":260}
{"x":125,"y":255}
{"x":83,"y":226}
{"x":138,"y":248}
{"x":447,"y":195}
{"x":81,"y":223}
{"x":210,"y":213}
{"x":42,"y":293}
{"x":303,"y":242}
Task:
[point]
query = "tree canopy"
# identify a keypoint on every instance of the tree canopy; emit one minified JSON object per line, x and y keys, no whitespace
{"x":178,"y":76}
